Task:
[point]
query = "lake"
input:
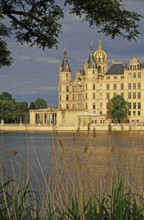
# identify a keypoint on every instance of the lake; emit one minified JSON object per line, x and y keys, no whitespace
{"x":96,"y":158}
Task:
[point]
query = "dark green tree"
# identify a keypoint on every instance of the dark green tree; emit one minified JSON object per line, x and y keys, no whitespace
{"x":40,"y":103}
{"x":38,"y":22}
{"x":21,"y":112}
{"x":7,"y":107}
{"x":119,"y":108}
{"x":32,"y":106}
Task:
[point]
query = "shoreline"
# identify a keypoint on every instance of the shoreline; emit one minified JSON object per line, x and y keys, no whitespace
{"x":70,"y":128}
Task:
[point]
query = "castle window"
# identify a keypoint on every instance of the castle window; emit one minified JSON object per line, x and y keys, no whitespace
{"x":139,"y":113}
{"x":134,"y":67}
{"x":93,"y":86}
{"x":122,"y":94}
{"x":67,"y":89}
{"x":100,"y":106}
{"x":122,"y":77}
{"x":129,"y":75}
{"x":93,"y":95}
{"x":108,"y":77}
{"x":60,"y":97}
{"x":114,"y":94}
{"x":134,"y":85}
{"x":129,"y":95}
{"x":115,"y":77}
{"x":99,"y":69}
{"x":100,"y":95}
{"x":139,"y":75}
{"x":60,"y":88}
{"x":134,"y":75}
{"x":86,"y":106}
{"x":67,"y":106}
{"x":107,"y":86}
{"x":129,"y":85}
{"x":129,"y":105}
{"x":134,"y":95}
{"x":100,"y":86}
{"x":86,"y":95}
{"x":134,"y":105}
{"x":67,"y":97}
{"x":122,"y":86}
{"x":129,"y":113}
{"x":139,"y":85}
{"x":115,"y":86}
{"x":93,"y":105}
{"x":139,"y":95}
{"x":107,"y":96}
{"x":139,"y":105}
{"x":134,"y":113}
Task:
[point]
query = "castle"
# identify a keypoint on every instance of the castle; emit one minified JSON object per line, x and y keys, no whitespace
{"x":85,"y":99}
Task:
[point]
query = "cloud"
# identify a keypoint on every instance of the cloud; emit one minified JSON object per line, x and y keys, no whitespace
{"x":47,"y":60}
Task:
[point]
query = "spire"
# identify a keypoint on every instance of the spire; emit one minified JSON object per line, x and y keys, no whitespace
{"x":65,"y":64}
{"x":91,"y":57}
{"x":99,"y":44}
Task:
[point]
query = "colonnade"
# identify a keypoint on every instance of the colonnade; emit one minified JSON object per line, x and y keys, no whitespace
{"x":49,"y":118}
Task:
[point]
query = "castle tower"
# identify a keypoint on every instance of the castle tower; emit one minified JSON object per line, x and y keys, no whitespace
{"x":101,"y":59}
{"x":64,"y":85}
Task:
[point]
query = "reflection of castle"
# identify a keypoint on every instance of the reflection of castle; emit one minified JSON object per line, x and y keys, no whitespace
{"x":86,"y":99}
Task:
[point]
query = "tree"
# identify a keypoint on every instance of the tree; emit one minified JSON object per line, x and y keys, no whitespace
{"x":37,"y":22}
{"x":119,"y":108}
{"x":40,"y":103}
{"x":7,"y":107}
{"x":21,"y":112}
{"x":32,"y":106}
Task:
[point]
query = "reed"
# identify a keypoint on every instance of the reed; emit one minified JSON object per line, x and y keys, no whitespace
{"x":85,"y":182}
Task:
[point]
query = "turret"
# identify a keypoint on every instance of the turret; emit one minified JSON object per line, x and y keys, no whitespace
{"x":64,"y":69}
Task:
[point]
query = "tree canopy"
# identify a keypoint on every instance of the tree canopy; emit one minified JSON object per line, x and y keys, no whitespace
{"x":38,"y":22}
{"x":119,"y":108}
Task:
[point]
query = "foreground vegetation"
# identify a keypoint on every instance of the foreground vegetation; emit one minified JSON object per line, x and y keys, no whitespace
{"x":23,"y":203}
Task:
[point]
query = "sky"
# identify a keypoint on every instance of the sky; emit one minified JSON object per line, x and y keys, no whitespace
{"x":34,"y":73}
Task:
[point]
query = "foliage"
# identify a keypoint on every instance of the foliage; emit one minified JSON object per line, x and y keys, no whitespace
{"x":21,"y":112}
{"x":40,"y":103}
{"x":17,"y":202}
{"x":32,"y":106}
{"x":119,"y":108}
{"x":37,"y":22}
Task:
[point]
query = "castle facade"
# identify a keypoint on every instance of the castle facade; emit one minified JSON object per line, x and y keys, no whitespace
{"x":86,"y":98}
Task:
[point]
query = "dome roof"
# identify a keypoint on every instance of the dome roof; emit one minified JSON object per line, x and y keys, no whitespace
{"x":100,"y":53}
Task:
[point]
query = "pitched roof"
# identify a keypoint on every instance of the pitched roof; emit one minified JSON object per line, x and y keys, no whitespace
{"x":116,"y":69}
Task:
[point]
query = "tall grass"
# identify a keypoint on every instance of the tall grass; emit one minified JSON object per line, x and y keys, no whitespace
{"x":76,"y":188}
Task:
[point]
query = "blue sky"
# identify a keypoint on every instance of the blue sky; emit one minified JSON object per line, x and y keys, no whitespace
{"x":34,"y":73}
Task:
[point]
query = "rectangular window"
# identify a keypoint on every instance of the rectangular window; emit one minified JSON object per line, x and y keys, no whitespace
{"x":139,"y":75}
{"x":67,"y":97}
{"x":134,"y":95}
{"x":139,"y":105}
{"x":107,"y":86}
{"x":86,"y":95}
{"x":122,"y":94}
{"x":134,"y":85}
{"x":139,"y":95}
{"x":67,"y":89}
{"x":134,"y":113}
{"x":100,"y":86}
{"x":100,"y":106}
{"x":93,"y":95}
{"x":122,"y":86}
{"x":129,"y":95}
{"x":100,"y":95}
{"x":93,"y":86}
{"x":115,"y":86}
{"x":139,"y":113}
{"x":67,"y":106}
{"x":60,"y":97}
{"x":139,"y":85}
{"x":93,"y":105}
{"x":134,"y":105}
{"x":134,"y":75}
{"x":129,"y":85}
{"x":107,"y":96}
{"x":129,"y":105}
{"x":129,"y":75}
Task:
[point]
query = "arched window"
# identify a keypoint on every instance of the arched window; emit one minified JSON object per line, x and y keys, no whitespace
{"x":99,"y":69}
